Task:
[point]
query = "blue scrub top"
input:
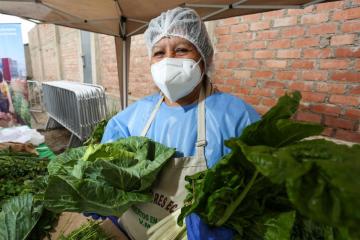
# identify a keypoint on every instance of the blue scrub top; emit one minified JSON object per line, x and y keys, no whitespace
{"x":226,"y":117}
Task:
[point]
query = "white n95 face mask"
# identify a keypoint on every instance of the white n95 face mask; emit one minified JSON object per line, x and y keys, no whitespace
{"x":176,"y":77}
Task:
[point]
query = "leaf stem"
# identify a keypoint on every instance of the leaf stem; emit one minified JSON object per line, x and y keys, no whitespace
{"x":231,"y":208}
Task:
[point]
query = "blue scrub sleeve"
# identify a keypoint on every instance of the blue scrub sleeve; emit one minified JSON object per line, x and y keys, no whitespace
{"x":197,"y":229}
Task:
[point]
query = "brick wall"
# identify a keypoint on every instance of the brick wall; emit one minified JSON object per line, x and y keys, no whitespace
{"x":315,"y":50}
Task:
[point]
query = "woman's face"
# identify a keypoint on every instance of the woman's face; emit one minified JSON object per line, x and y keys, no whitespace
{"x":175,"y":47}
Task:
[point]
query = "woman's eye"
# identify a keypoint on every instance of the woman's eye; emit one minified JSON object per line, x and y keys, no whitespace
{"x":182,"y":50}
{"x":158,"y":53}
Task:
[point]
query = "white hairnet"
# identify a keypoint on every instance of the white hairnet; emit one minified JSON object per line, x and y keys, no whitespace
{"x":184,"y":23}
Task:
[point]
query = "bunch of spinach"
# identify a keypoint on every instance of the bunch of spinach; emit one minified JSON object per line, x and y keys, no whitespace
{"x":105,"y":178}
{"x":274,"y":186}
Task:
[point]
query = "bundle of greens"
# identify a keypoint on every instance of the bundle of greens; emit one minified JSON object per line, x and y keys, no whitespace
{"x":87,"y":231}
{"x":105,"y":178}
{"x":274,"y":186}
{"x":18,"y":173}
{"x":20,"y":217}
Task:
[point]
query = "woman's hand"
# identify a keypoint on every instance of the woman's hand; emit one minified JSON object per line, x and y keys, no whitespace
{"x":197,"y":229}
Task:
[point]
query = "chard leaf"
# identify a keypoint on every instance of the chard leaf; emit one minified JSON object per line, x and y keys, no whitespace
{"x":321,"y":177}
{"x":18,"y":217}
{"x":280,"y":227}
{"x":70,"y":194}
{"x":108,"y":179}
{"x":275,"y":129}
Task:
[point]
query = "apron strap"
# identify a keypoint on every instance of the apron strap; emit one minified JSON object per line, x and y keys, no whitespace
{"x":201,"y":129}
{"x":152,"y":116}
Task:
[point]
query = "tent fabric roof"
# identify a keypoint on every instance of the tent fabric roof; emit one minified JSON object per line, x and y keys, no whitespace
{"x":130,"y":17}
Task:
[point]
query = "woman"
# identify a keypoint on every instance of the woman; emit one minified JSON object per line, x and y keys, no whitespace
{"x":187,"y":115}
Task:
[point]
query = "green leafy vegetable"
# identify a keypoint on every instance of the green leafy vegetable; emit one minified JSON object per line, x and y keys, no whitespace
{"x":18,"y":217}
{"x":18,"y":173}
{"x":274,"y":186}
{"x":105,"y":178}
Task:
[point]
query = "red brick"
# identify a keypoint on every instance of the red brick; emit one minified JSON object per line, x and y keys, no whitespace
{"x":224,"y":88}
{"x":346,"y":76}
{"x":269,"y":34}
{"x":322,"y":29}
{"x":251,"y":64}
{"x":327,"y":109}
{"x":338,"y":122}
{"x":345,"y":100}
{"x":233,"y":64}
{"x":279,"y":92}
{"x":317,"y":53}
{"x":251,"y":17}
{"x":357,"y":64}
{"x":221,"y":47}
{"x":225,"y":72}
{"x":262,"y":74}
{"x":347,"y":52}
{"x":292,"y":53}
{"x":328,"y":132}
{"x":233,"y":82}
{"x":236,"y":46}
{"x":276,"y":63}
{"x":274,"y":84}
{"x":351,"y":26}
{"x":220,"y":64}
{"x":254,"y":100}
{"x":256,"y":26}
{"x":353,"y":114}
{"x":229,"y":21}
{"x":330,"y":6}
{"x":302,"y":64}
{"x":222,"y":30}
{"x":313,"y":97}
{"x":224,"y":55}
{"x":273,"y":14}
{"x":243,"y":54}
{"x":331,"y":88}
{"x":314,"y":18}
{"x":240,"y":27}
{"x":284,"y":22}
{"x":242,"y":90}
{"x":262,"y":92}
{"x":243,"y":36}
{"x":293,"y":12}
{"x":261,"y":109}
{"x":264,"y":54}
{"x":347,"y":14}
{"x":286,"y":75}
{"x":256,"y":45}
{"x":314,"y":76}
{"x":225,"y":38}
{"x":348,"y":136}
{"x":342,"y":39}
{"x":301,"y":86}
{"x":308,"y":117}
{"x":268,"y":102}
{"x":281,"y":43}
{"x":306,"y":42}
{"x":355,"y":90}
{"x":293,"y":32}
{"x":242,"y":74}
{"x":250,"y":82}
{"x":333,"y":64}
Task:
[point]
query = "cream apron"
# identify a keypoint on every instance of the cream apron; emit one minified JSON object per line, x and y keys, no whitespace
{"x":169,"y":191}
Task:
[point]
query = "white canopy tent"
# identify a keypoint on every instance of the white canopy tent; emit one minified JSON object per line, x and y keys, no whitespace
{"x":125,"y":18}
